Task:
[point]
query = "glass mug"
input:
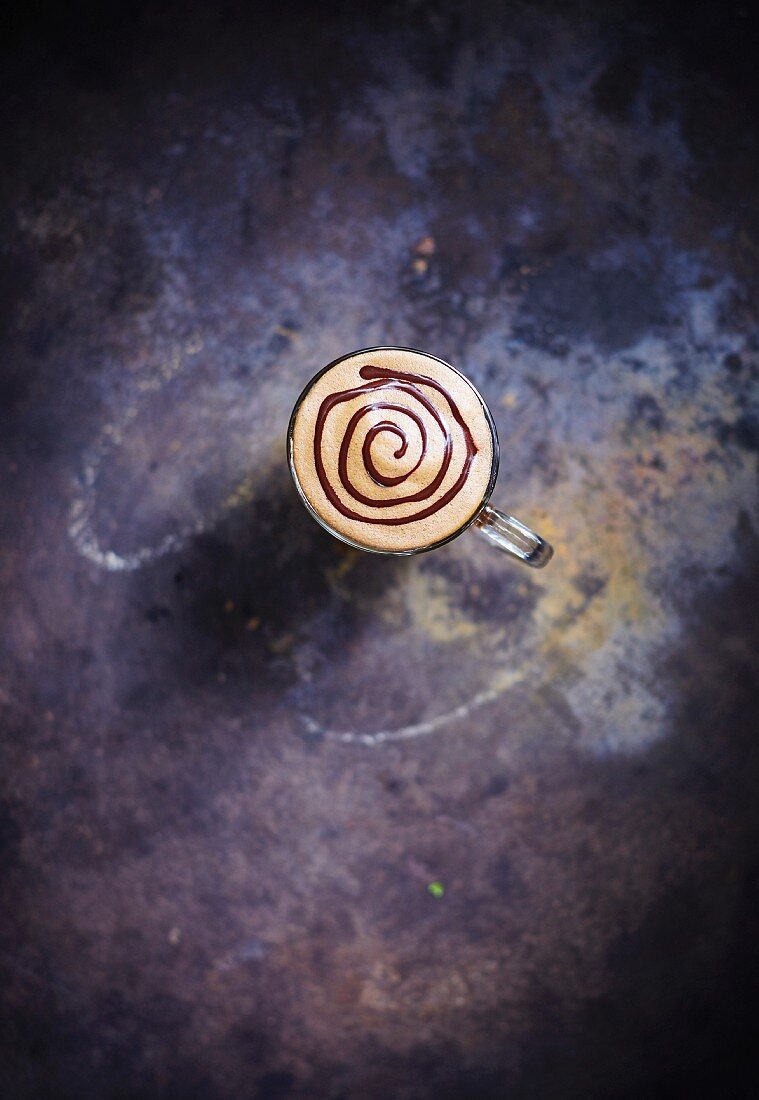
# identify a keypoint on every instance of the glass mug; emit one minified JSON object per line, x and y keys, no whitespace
{"x":394,"y":451}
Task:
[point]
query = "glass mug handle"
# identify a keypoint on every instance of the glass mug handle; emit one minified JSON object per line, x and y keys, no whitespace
{"x":513,"y":537}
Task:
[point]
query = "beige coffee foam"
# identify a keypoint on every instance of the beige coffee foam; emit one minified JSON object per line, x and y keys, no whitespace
{"x":418,"y":533}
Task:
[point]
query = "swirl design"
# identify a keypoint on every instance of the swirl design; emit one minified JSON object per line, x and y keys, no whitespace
{"x":417,"y":425}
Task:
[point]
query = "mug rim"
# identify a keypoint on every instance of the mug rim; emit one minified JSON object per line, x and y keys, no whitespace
{"x":345,"y":538}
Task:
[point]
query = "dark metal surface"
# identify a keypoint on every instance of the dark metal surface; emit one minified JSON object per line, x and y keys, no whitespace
{"x":236,"y":754}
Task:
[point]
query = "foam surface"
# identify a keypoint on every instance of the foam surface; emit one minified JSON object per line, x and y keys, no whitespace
{"x":418,"y":465}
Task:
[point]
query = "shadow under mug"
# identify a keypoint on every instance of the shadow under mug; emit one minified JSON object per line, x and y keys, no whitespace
{"x":499,"y":528}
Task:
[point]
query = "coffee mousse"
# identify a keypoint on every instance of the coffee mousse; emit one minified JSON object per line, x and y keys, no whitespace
{"x":392,"y":449}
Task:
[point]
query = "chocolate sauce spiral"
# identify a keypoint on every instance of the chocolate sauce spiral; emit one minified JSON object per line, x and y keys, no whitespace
{"x":400,"y":418}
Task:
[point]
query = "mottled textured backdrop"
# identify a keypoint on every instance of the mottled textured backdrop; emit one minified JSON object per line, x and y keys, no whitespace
{"x":237,"y":754}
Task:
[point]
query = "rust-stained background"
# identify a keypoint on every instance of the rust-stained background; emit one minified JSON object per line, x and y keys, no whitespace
{"x":236,"y":754}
